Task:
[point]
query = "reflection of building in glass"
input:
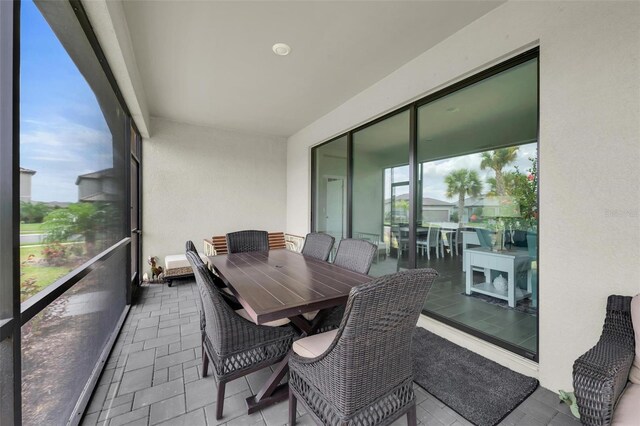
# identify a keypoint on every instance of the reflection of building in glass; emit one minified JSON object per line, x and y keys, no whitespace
{"x":97,"y":186}
{"x":25,"y":184}
{"x":433,"y":210}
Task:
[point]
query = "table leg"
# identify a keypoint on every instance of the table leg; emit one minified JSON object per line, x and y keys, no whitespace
{"x":469,"y":274}
{"x":302,"y":324}
{"x":511,"y":286}
{"x":272,"y":391}
{"x":464,"y":256}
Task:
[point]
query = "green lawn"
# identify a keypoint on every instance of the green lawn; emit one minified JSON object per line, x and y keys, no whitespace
{"x":43,"y":275}
{"x":31,"y":228}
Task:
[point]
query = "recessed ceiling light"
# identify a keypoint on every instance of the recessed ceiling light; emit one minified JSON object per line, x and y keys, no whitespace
{"x":281,"y":49}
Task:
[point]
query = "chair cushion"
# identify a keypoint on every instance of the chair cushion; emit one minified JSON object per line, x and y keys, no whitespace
{"x":277,"y":323}
{"x":627,"y":411}
{"x":634,"y":374}
{"x":172,"y":261}
{"x":312,"y":346}
{"x":310,"y":316}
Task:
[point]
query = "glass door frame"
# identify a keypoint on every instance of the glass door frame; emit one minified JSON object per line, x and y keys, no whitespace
{"x":136,"y":231}
{"x":415,"y":183}
{"x":10,"y":324}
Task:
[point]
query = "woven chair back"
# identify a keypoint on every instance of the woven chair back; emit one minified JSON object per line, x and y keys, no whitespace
{"x":617,"y":324}
{"x":355,"y":255}
{"x":375,"y":336}
{"x":217,"y":312}
{"x":244,"y":241}
{"x":189,"y":246}
{"x":318,"y":246}
{"x":234,"y":345}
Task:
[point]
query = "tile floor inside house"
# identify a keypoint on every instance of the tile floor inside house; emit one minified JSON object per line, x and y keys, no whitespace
{"x":447,"y":298}
{"x":154,"y":376}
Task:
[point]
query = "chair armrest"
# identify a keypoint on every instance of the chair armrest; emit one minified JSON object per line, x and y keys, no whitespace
{"x":295,"y":241}
{"x":209,"y":248}
{"x":599,"y":377}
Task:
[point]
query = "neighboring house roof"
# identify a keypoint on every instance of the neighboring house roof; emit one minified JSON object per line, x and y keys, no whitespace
{"x":27,"y":171}
{"x":100,"y":174}
{"x":99,"y":196}
{"x":426,"y":201}
{"x":99,"y":191}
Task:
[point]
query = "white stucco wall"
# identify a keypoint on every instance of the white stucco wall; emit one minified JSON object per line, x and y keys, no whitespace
{"x":589,"y":151}
{"x":200,"y":182}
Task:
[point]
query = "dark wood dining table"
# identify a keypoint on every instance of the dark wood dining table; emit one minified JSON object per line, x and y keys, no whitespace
{"x":279,"y":284}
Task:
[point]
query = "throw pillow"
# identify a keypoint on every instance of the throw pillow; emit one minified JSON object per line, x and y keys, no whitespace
{"x":634,"y":374}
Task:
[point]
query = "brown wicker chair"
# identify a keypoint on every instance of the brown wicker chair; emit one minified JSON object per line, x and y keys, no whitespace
{"x":318,"y":246}
{"x":365,"y":377}
{"x":226,"y":294}
{"x":355,"y":255}
{"x":243,"y":241}
{"x":601,"y":374}
{"x":235,"y":346}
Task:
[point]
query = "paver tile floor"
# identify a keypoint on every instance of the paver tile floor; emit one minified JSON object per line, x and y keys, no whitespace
{"x":154,"y":376}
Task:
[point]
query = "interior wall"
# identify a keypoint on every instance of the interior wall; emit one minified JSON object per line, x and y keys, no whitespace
{"x":199,"y":182}
{"x":368,"y":193}
{"x":330,"y":166}
{"x":589,"y":132}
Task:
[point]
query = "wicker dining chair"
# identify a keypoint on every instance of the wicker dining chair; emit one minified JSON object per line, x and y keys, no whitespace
{"x":190,"y":247}
{"x":234,"y":345}
{"x":243,"y":241}
{"x":364,"y":376}
{"x":355,"y":255}
{"x":220,"y":285}
{"x":318,"y":246}
{"x":601,"y":374}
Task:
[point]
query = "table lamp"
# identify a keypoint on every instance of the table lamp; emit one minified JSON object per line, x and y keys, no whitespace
{"x":501,"y":207}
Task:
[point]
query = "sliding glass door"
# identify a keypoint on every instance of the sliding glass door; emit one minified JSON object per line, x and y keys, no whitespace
{"x":478,"y":151}
{"x":381,"y":190}
{"x":450,"y":182}
{"x":330,"y":189}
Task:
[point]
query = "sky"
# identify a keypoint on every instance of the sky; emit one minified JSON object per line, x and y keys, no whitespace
{"x":434,"y":172}
{"x":63,"y":133}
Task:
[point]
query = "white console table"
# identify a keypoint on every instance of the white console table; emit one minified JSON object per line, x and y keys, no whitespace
{"x":508,"y":262}
{"x":468,"y":238}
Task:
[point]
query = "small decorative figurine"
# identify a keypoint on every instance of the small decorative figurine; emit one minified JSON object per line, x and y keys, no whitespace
{"x":156,"y":271}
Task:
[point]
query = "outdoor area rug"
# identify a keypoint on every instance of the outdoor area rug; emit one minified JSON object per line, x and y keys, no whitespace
{"x":478,"y":389}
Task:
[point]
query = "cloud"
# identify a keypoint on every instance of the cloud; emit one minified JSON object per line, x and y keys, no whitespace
{"x":434,"y":172}
{"x":59,"y":150}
